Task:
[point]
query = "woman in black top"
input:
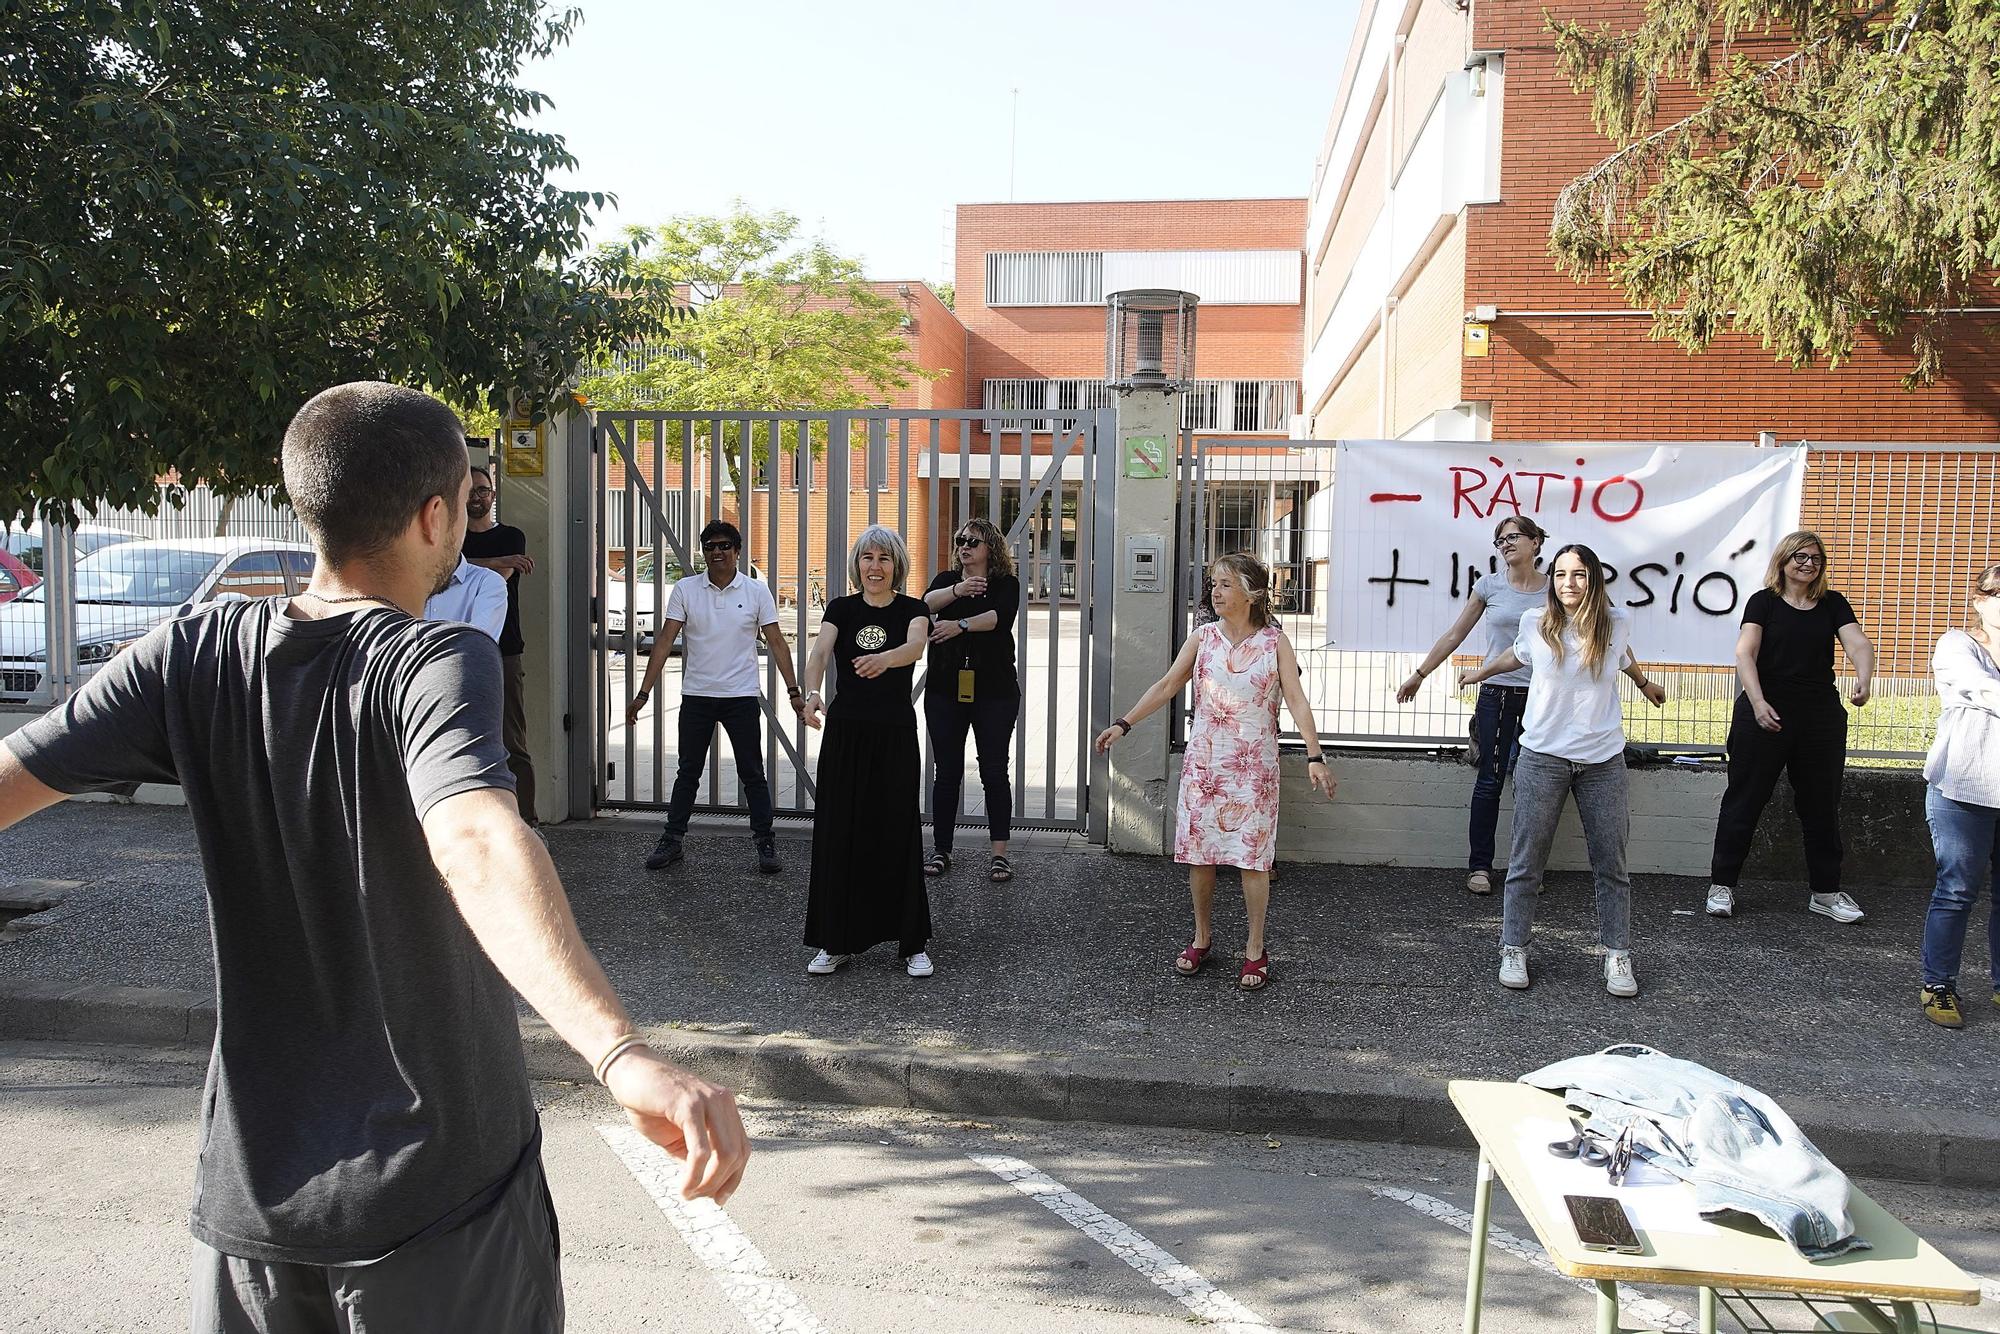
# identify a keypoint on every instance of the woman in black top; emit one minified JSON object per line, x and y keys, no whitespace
{"x":970,"y":683}
{"x":1789,"y":718}
{"x":867,"y":866}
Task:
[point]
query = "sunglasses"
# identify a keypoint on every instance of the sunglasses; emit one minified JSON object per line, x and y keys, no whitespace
{"x":970,"y":541}
{"x":724,"y":545}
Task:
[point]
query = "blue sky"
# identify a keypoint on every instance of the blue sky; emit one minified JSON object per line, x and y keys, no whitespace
{"x":870,"y":119}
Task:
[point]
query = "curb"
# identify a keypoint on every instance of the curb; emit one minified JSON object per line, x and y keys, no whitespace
{"x":1960,"y":1150}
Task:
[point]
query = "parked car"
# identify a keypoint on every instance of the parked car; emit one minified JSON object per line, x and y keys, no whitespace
{"x":643,"y":615}
{"x":15,"y":578}
{"x":25,"y":544}
{"x":126,"y":589}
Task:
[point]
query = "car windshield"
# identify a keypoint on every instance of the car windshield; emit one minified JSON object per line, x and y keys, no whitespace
{"x":135,"y":574}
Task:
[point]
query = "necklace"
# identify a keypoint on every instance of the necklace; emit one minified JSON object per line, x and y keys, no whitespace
{"x":358,"y":597}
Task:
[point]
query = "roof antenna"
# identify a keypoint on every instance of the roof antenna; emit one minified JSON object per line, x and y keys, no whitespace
{"x":1013,"y":137}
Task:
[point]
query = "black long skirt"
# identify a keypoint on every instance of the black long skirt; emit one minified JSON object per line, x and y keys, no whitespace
{"x":868,"y":848}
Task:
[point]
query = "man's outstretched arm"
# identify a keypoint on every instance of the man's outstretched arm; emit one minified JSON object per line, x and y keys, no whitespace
{"x":506,"y":888}
{"x":21,"y":793}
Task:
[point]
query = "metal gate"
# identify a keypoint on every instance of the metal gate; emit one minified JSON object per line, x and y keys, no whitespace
{"x":801,"y":486}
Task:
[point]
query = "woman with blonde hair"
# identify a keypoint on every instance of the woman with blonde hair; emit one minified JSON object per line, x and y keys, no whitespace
{"x":1789,"y":719}
{"x":1495,"y":608}
{"x":867,"y":866}
{"x":1572,"y":743}
{"x":970,"y":684}
{"x":1962,"y":800}
{"x":1241,"y":664}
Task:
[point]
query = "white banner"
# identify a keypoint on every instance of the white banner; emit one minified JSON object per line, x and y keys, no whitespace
{"x":1685,"y":532}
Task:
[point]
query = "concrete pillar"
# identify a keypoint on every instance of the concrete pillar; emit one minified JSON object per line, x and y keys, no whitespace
{"x":1141,"y":630}
{"x":553,"y":509}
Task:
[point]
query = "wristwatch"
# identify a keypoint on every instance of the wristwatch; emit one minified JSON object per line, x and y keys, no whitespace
{"x":962,"y":626}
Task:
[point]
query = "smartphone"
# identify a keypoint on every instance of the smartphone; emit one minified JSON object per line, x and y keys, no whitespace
{"x":1601,"y":1224}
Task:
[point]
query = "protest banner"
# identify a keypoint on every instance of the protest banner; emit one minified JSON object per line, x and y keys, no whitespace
{"x":1685,"y":532}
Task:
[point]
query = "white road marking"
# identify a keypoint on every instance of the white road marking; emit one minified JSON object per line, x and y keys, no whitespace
{"x":1158,"y":1267}
{"x":731,"y":1258}
{"x":1648,"y":1311}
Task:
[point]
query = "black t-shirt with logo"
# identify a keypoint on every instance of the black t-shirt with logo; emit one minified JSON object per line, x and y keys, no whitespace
{"x":501,"y":540}
{"x":1796,"y":656}
{"x":864,"y":630}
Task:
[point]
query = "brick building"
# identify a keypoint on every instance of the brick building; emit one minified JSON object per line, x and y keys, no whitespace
{"x":1451,"y":135}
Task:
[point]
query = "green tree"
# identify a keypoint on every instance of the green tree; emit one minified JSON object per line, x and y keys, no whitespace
{"x":218,"y":207}
{"x":1853,"y":181}
{"x":767,"y":323}
{"x":945,"y":292}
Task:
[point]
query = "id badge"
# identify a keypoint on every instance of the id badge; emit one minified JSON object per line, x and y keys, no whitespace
{"x":965,"y":685}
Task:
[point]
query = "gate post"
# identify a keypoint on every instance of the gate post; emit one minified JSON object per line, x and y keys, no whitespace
{"x":1142,"y":470}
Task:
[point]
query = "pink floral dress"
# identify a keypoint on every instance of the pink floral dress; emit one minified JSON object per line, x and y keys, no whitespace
{"x":1228,"y":809}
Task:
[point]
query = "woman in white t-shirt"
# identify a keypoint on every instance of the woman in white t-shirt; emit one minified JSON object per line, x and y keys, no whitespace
{"x":1572,"y":742}
{"x":1495,"y":608}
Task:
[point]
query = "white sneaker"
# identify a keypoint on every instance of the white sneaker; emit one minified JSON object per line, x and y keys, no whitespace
{"x":918,"y":965}
{"x":1479,"y":882}
{"x":1839,"y":907}
{"x":1514,"y":966}
{"x":1721,"y":901}
{"x":1619,"y":979}
{"x":823,"y":963}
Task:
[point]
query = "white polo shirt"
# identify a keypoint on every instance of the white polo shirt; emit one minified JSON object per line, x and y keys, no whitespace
{"x":719,"y":632}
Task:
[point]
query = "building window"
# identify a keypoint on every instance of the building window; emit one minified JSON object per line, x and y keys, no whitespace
{"x":1045,"y":278}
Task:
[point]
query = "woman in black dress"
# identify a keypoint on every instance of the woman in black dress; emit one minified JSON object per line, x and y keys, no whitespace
{"x":867,"y":866}
{"x":1789,"y":719}
{"x":970,"y":685}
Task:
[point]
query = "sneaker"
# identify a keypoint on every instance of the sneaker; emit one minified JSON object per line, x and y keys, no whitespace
{"x":665,"y":853}
{"x":1839,"y":907}
{"x":824,"y":963}
{"x":1721,"y":901}
{"x":1514,"y":966}
{"x":918,"y":965}
{"x":1619,"y":979}
{"x":767,"y":857}
{"x":1480,"y":882}
{"x":1941,"y":1007}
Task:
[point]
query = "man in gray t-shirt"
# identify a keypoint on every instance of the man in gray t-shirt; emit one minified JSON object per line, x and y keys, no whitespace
{"x":369,"y":1148}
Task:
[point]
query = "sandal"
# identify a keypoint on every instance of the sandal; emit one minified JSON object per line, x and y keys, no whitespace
{"x":1003,"y":870}
{"x":937,"y":863}
{"x":1256,"y":972}
{"x":1191,"y":959}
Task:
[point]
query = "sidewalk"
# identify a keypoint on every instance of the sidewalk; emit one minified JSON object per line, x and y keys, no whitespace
{"x":1055,"y":996}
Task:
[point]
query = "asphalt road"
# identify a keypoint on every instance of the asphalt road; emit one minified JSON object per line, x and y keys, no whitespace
{"x":857,"y":1220}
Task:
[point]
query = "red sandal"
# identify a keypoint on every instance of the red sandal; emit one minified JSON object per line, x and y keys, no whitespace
{"x":1191,"y":960}
{"x":1259,"y":969}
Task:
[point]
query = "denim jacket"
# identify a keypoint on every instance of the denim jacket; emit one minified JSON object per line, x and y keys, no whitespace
{"x":1736,"y":1147}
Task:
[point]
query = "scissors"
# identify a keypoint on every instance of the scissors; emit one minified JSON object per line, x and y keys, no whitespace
{"x":1590,"y":1148}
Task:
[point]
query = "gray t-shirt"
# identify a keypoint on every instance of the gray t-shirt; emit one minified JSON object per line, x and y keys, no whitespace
{"x":367,"y":1083}
{"x":1502,"y":621}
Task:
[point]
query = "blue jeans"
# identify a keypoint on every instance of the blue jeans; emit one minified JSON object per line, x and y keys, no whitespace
{"x":740,"y":716}
{"x":1966,"y":839}
{"x":1541,"y":784}
{"x":1497,"y":718}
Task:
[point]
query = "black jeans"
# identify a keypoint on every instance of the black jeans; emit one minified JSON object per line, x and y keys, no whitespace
{"x":738,"y":715}
{"x":1812,"y":748}
{"x":1498,"y":718}
{"x":991,"y":722}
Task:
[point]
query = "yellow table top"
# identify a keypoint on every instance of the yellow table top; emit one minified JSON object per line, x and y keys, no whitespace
{"x":1901,"y":1266}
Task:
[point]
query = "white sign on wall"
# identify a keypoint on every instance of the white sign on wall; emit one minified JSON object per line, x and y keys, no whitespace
{"x":1685,"y":532}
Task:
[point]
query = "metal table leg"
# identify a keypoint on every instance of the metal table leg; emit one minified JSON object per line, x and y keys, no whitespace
{"x":1707,"y":1312}
{"x":1607,"y":1307}
{"x":1475,"y":1273}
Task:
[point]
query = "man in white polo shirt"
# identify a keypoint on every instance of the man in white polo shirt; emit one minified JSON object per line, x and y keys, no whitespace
{"x":723,"y":610}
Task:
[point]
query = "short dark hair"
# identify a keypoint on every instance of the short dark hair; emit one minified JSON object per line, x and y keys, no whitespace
{"x":361,"y":459}
{"x":722,"y":528}
{"x":483,"y":472}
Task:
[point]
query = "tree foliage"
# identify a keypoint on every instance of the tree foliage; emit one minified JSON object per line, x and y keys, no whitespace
{"x":217,"y":208}
{"x":1853,"y":181}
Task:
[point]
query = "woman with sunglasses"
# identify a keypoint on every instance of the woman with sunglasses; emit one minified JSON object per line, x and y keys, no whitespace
{"x":1496,"y":605}
{"x":970,"y":684}
{"x":1572,"y":743}
{"x":1789,"y":719}
{"x":1962,"y":800}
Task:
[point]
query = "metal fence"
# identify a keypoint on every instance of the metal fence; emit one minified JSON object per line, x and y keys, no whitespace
{"x":1903,"y":525}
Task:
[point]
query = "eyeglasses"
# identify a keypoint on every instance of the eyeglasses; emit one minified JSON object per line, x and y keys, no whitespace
{"x":480,"y":491}
{"x":1509,"y":539}
{"x":971,"y":541}
{"x":1807,"y":558}
{"x":1595,"y":1148}
{"x":722,"y":544}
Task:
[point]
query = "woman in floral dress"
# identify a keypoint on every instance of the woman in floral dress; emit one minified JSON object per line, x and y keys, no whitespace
{"x":1240,"y":664}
